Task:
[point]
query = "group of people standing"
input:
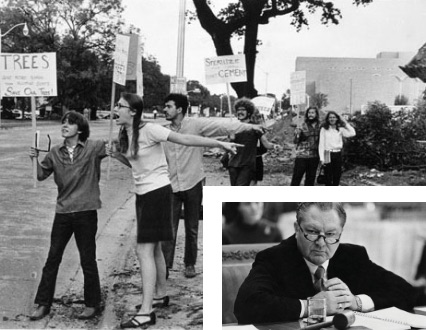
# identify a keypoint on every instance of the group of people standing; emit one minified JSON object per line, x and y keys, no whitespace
{"x":316,"y":144}
{"x":167,"y":171}
{"x":322,"y":144}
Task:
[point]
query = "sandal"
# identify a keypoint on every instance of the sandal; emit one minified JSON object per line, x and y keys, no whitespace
{"x":157,"y":303}
{"x":133,"y":323}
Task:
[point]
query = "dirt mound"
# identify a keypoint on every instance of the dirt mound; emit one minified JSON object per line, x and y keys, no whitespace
{"x":281,"y":133}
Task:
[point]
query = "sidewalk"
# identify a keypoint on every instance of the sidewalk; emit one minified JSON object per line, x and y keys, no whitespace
{"x":121,"y":284}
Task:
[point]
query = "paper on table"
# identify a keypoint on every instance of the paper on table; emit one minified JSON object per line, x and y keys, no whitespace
{"x":396,"y":314}
{"x":240,"y":327}
{"x":377,"y":324}
{"x":420,"y":310}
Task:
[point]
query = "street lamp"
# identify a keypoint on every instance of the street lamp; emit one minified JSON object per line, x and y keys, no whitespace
{"x":25,"y":32}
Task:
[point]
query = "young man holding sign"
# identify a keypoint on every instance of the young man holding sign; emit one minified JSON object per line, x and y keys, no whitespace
{"x":76,"y":166}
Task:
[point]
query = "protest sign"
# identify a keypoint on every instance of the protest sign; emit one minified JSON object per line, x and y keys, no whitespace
{"x":178,"y":85}
{"x":121,"y":56}
{"x":265,"y":105}
{"x":28,"y":75}
{"x":225,"y":69}
{"x":298,"y":87}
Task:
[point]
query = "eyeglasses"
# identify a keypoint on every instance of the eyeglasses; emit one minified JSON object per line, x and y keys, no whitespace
{"x":329,"y":239}
{"x":119,"y":105}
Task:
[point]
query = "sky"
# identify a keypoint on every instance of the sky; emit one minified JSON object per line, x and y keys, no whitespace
{"x":365,"y":31}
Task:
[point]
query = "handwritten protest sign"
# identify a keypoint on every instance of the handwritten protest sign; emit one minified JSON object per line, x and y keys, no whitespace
{"x":298,"y":87}
{"x":178,"y":85}
{"x":28,"y":75}
{"x":225,"y":69}
{"x":121,"y":56}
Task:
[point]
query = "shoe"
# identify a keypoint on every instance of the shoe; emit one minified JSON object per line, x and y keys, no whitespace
{"x":133,"y":323}
{"x":40,"y":312}
{"x":157,"y":303}
{"x":190,"y":271}
{"x":88,"y":313}
{"x":161,"y":302}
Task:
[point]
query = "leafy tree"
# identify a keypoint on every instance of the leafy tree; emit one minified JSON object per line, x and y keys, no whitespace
{"x":319,"y":100}
{"x":387,"y":140}
{"x":82,"y":33}
{"x":243,"y":17}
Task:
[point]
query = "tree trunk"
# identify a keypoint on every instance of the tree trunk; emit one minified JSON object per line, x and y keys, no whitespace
{"x":220,"y":33}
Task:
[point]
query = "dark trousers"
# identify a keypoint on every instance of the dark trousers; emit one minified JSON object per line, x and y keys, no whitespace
{"x":306,"y":166}
{"x":191,"y":200}
{"x":333,"y":170}
{"x":84,"y":226}
{"x":242,"y":176}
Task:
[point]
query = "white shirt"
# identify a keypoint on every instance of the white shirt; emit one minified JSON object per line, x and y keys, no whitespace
{"x":367,"y":302}
{"x":332,"y":139}
{"x":149,"y":169}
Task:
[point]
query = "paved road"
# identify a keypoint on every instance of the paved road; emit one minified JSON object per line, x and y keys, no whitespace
{"x":26,"y":215}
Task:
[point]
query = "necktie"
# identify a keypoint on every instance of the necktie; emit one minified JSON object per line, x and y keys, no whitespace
{"x":319,"y":279}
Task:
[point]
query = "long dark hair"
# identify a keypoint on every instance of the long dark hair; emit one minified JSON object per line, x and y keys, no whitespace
{"x":316,"y":111}
{"x":339,"y":123}
{"x":136,"y":106}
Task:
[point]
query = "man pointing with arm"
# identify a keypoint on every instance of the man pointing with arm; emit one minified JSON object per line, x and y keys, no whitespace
{"x":313,"y":263}
{"x":187,"y":173}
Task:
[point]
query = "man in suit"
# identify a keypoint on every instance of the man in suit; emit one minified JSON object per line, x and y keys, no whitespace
{"x":312,"y":263}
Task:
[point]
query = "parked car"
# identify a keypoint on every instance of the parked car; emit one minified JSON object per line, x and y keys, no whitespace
{"x":17,"y":113}
{"x":28,"y":115}
{"x":105,"y":114}
{"x":7,"y":114}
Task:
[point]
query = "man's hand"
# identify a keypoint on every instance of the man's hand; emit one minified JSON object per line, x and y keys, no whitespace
{"x":33,"y":153}
{"x":110,"y":150}
{"x":336,"y":301}
{"x":260,"y":129}
{"x":337,"y":285}
{"x":230,"y":146}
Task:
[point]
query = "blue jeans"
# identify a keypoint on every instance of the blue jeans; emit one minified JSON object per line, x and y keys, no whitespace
{"x":191,"y":200}
{"x":84,"y":226}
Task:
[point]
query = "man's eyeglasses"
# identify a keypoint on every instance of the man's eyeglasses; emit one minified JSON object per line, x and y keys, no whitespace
{"x":329,"y":239}
{"x":119,"y":105}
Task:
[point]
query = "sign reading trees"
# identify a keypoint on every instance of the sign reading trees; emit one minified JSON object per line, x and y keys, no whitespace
{"x":225,"y":69}
{"x":26,"y":75}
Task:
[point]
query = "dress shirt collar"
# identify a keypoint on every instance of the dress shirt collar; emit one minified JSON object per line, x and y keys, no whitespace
{"x":313,"y":268}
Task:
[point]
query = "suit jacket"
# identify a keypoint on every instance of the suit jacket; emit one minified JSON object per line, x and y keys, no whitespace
{"x":280,"y":277}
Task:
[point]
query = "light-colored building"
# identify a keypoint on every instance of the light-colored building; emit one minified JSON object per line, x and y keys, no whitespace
{"x":350,"y":83}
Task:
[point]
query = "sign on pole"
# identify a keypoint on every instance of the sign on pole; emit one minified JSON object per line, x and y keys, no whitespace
{"x":298,"y":87}
{"x":265,"y":105}
{"x":178,"y":85}
{"x":121,"y":55}
{"x":225,"y":69}
{"x":28,"y":75}
{"x":134,"y":62}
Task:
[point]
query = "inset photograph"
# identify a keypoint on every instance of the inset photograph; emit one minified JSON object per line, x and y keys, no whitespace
{"x":313,"y":265}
